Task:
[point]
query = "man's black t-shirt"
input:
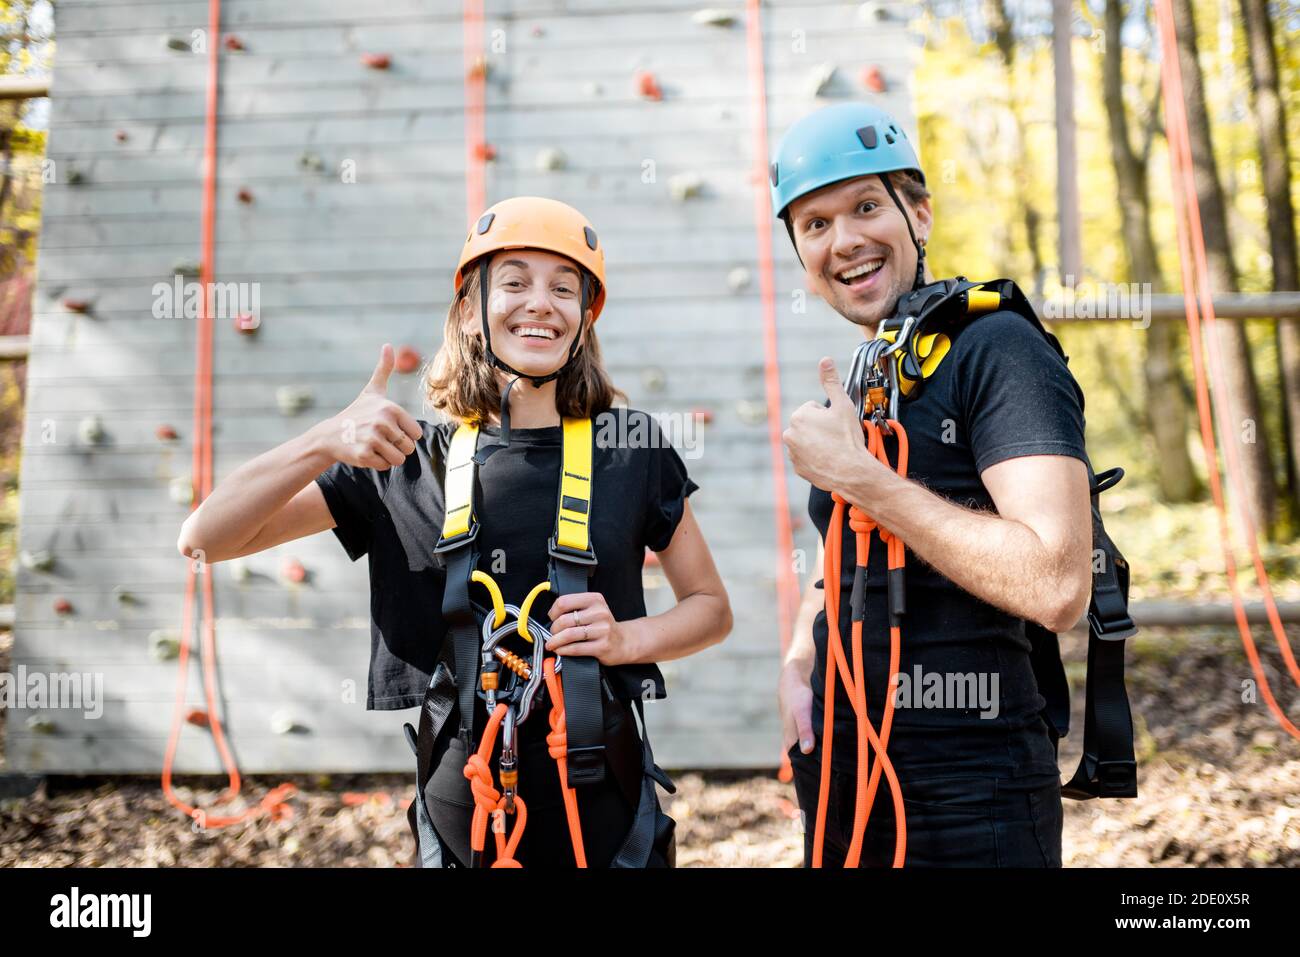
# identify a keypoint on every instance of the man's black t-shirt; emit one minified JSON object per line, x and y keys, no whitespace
{"x":1000,"y":393}
{"x":639,"y":489}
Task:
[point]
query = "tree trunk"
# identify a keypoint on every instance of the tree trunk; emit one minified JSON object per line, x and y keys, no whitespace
{"x":1167,"y":411}
{"x":1242,"y":401}
{"x":1270,"y":121}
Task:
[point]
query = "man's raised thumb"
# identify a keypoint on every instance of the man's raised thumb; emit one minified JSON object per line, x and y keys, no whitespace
{"x":379,"y":378}
{"x":831,"y":381}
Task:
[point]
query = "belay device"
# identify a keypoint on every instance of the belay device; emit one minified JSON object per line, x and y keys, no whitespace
{"x":920,"y":333}
{"x":510,"y":685}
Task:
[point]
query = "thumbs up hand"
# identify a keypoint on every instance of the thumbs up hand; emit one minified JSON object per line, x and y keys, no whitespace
{"x":373,"y":432}
{"x":826,"y":443}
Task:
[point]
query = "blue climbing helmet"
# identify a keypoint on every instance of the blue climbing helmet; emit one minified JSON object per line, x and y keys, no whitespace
{"x":842,"y":142}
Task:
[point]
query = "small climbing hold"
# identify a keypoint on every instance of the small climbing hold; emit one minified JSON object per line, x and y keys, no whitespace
{"x":820,"y":77}
{"x":873,"y":79}
{"x":121,"y":136}
{"x":197,"y":717}
{"x":751,"y":412}
{"x":282,"y":722}
{"x":376,"y":61}
{"x":311,"y":161}
{"x":91,"y":430}
{"x":164,"y":645}
{"x":165,"y":433}
{"x":185,"y":267}
{"x":38,"y":561}
{"x":685,"y":186}
{"x":40,"y":724}
{"x":292,"y":399}
{"x":647,"y":86}
{"x":872,"y":11}
{"x":654,"y":379}
{"x":539,"y":31}
{"x":247,"y":322}
{"x":738,"y":278}
{"x":181,"y":490}
{"x":550,"y":159}
{"x":593,"y":88}
{"x":712,"y":17}
{"x":481,"y":69}
{"x":407,"y":360}
{"x":125,"y":596}
{"x":181,"y":44}
{"x":245,"y":194}
{"x":292,"y":570}
{"x":75,"y":177}
{"x":485,"y":152}
{"x":703,"y":415}
{"x":233,"y":42}
{"x":77,"y":305}
{"x":62,"y":606}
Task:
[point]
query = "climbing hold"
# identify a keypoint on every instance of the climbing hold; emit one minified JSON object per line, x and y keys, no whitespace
{"x":62,"y":606}
{"x":282,"y":722}
{"x":407,"y":360}
{"x":820,"y":77}
{"x":485,"y":152}
{"x":550,"y":159}
{"x":234,"y":43}
{"x":685,"y":186}
{"x":738,"y":278}
{"x":39,"y":724}
{"x":164,"y":645}
{"x":185,"y":267}
{"x":704,"y":415}
{"x":593,"y":88}
{"x":480,"y":69}
{"x":91,"y":430}
{"x":197,"y":717}
{"x":654,"y":379}
{"x":245,"y":194}
{"x":292,"y":399}
{"x":81,"y":306}
{"x":247,"y":323}
{"x":376,"y":61}
{"x":872,"y":11}
{"x":165,"y":433}
{"x":873,"y":79}
{"x":311,"y":161}
{"x":292,"y":570}
{"x":712,"y":17}
{"x":39,"y":561}
{"x":751,"y":412}
{"x":648,"y":87}
{"x":125,"y":597}
{"x":121,"y":136}
{"x":539,"y":31}
{"x":75,"y":177}
{"x":178,"y":43}
{"x":181,"y":490}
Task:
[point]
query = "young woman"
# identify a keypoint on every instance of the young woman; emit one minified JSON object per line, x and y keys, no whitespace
{"x":517,"y":375}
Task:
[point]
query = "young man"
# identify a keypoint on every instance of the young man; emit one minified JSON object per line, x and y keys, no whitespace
{"x":994,"y":513}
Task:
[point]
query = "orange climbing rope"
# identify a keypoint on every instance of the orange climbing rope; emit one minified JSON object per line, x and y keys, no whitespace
{"x":475,"y":103}
{"x":273,"y":803}
{"x":854,"y":680}
{"x":787,"y":592}
{"x":1199,"y":305}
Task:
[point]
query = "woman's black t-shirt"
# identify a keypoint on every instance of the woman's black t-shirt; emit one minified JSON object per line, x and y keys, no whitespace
{"x":1001,"y":392}
{"x":394,"y":516}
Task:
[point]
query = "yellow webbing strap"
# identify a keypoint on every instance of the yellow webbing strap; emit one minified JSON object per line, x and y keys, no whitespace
{"x":572,"y":524}
{"x":458,"y":486}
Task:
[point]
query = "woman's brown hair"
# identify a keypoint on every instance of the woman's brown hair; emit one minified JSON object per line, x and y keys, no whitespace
{"x":461,"y":383}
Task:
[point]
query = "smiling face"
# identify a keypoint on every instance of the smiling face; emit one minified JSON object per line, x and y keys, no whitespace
{"x":855,"y":246}
{"x":533,"y":303}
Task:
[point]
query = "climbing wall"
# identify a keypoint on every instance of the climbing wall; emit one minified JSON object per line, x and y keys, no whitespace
{"x":341,"y":193}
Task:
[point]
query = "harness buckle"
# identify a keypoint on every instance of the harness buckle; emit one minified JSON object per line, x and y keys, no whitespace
{"x":586,"y":765}
{"x":565,"y":553}
{"x":456,"y":541}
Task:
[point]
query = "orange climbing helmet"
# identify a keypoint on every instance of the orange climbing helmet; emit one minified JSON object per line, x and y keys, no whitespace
{"x":534,"y":222}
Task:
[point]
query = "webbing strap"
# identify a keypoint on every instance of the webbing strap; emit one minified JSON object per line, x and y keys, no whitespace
{"x":459,"y":529}
{"x":639,"y":842}
{"x":458,"y":485}
{"x":573,"y":511}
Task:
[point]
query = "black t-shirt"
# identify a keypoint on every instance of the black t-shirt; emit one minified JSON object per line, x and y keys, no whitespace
{"x":1000,"y":393}
{"x":639,"y":489}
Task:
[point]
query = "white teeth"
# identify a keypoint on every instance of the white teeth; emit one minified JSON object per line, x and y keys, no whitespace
{"x":864,"y":270}
{"x":537,"y":332}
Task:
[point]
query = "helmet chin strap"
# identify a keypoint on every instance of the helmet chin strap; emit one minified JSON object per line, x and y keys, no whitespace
{"x":496,"y":361}
{"x":919,"y":280}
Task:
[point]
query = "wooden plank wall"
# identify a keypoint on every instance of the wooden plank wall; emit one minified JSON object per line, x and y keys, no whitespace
{"x":344,"y":266}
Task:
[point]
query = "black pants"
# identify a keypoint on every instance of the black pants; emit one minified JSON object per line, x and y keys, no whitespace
{"x":956,"y":821}
{"x":606,"y":810}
